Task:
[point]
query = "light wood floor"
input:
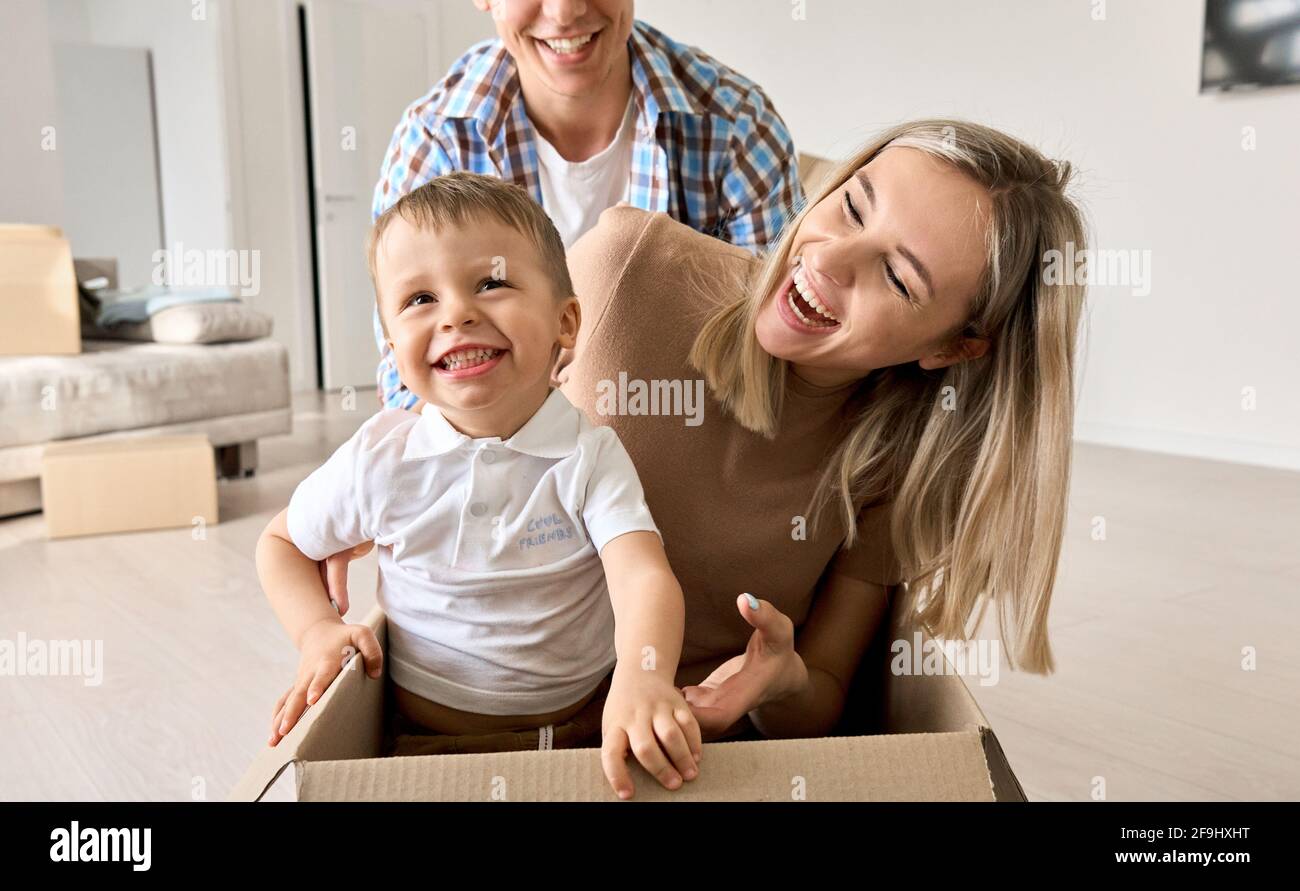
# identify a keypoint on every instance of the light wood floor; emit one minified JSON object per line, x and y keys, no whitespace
{"x":1200,"y":559}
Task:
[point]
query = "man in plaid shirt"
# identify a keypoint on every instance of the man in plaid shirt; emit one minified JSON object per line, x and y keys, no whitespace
{"x":709,"y":149}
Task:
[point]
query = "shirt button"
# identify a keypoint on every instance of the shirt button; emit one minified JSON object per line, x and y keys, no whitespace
{"x":489,"y":457}
{"x":478,"y":508}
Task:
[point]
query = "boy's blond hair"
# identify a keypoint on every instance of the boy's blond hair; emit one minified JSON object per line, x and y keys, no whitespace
{"x":458,"y":198}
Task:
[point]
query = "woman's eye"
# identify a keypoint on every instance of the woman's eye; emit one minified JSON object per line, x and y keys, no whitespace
{"x":897,"y":282}
{"x":851,"y":210}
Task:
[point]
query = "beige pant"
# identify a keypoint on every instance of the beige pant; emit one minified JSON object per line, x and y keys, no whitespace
{"x":582,"y":731}
{"x":405,"y":737}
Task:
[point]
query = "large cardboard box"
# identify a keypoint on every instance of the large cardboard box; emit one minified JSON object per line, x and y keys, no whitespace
{"x":39,"y":310}
{"x":911,"y":738}
{"x":123,"y":485}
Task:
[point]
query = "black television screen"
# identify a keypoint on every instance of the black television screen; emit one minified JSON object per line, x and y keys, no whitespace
{"x":1250,"y":43}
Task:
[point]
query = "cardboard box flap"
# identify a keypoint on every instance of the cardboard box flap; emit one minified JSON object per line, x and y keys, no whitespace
{"x":912,"y":767}
{"x":1006,"y":785}
{"x":355,"y":704}
{"x":268,"y":764}
{"x":914,"y":701}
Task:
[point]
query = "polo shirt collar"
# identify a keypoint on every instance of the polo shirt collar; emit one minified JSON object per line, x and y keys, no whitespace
{"x":552,"y":432}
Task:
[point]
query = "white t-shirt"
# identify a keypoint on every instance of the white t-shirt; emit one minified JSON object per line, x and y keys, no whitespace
{"x":574,"y":193}
{"x":489,"y":567}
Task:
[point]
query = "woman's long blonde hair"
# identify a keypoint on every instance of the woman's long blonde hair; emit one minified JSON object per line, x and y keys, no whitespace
{"x":974,"y":457}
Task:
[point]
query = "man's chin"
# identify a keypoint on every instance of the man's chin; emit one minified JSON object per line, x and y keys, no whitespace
{"x":573,"y":84}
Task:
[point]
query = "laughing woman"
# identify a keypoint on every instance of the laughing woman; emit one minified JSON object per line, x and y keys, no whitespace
{"x":891,"y":399}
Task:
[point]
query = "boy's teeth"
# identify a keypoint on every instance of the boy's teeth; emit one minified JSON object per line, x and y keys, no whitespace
{"x":569,"y":44}
{"x":467,"y":358}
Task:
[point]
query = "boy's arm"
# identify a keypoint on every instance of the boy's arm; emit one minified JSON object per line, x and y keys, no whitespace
{"x":645,"y":713}
{"x":325,"y":643}
{"x":292,"y":581}
{"x":327,"y":513}
{"x":648,"y":607}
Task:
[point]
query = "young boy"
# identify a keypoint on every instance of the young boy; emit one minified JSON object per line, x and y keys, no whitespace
{"x":499,"y":510}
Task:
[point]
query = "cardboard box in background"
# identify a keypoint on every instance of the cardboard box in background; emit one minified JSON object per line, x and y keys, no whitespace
{"x":123,"y":485}
{"x":39,"y":311}
{"x":911,"y":738}
{"x":812,"y":170}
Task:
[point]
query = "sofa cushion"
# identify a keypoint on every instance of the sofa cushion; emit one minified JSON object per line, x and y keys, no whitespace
{"x":118,"y":385}
{"x":191,"y":323}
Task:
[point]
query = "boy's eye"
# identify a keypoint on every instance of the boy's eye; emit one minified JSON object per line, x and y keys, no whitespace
{"x":491,"y":284}
{"x":421,"y":299}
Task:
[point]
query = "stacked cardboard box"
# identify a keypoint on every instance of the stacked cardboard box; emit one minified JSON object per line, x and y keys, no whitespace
{"x":39,"y":313}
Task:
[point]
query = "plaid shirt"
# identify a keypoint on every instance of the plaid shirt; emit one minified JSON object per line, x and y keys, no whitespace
{"x":710,"y":149}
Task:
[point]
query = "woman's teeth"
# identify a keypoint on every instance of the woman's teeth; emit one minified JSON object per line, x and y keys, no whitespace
{"x":566,"y":45}
{"x":467,"y":358}
{"x":823,"y":317}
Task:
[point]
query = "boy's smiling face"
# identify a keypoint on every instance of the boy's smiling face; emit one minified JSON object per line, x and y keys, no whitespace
{"x":477,"y":287}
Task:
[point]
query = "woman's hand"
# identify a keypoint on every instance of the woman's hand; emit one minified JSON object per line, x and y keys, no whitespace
{"x":645,"y":713}
{"x":334,"y":573}
{"x":326,"y":647}
{"x":770,"y":669}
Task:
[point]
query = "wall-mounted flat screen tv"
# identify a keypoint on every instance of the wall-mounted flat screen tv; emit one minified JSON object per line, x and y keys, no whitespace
{"x":1250,"y":43}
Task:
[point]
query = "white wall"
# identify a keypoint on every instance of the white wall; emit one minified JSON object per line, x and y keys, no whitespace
{"x":460,"y":26}
{"x":188,"y":94}
{"x":31,"y":178}
{"x":106,"y":123}
{"x":1161,"y":169}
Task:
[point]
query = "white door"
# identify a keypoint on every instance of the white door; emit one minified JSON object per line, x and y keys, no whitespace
{"x":367,"y":61}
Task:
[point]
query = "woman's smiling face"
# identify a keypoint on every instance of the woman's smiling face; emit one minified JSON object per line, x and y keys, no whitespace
{"x":881,"y":272}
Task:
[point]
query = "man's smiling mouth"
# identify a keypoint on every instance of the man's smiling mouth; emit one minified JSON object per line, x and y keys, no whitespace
{"x":568,"y":46}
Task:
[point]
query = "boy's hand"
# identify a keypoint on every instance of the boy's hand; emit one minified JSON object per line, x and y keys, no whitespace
{"x":645,"y":713}
{"x":334,"y":573}
{"x":326,"y":646}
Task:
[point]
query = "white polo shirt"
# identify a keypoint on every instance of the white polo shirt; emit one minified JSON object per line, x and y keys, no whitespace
{"x":489,"y":566}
